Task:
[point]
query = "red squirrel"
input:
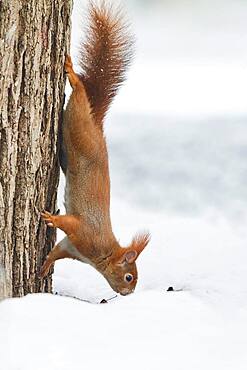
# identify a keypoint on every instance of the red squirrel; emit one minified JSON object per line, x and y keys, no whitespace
{"x":104,"y":58}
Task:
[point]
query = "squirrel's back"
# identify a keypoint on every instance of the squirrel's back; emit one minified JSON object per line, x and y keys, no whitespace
{"x":104,"y":56}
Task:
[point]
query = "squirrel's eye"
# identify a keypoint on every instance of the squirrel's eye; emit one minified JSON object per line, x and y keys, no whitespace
{"x":128,"y":278}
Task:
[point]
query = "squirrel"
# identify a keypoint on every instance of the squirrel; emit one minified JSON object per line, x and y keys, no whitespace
{"x":104,"y":57}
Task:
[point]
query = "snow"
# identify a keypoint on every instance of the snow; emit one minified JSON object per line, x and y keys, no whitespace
{"x":177,"y":145}
{"x":150,"y":329}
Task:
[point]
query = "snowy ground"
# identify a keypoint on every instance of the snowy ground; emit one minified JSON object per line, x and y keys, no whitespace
{"x":177,"y":142}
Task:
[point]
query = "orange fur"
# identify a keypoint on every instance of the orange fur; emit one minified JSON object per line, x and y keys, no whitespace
{"x":87,"y":223}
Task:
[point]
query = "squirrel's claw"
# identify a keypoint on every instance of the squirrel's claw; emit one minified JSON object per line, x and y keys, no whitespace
{"x":48,"y":218}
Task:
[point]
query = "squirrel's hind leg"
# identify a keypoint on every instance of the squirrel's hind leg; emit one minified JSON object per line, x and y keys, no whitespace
{"x":72,"y":76}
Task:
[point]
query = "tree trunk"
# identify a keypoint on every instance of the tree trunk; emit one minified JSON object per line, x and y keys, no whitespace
{"x":34,"y":38}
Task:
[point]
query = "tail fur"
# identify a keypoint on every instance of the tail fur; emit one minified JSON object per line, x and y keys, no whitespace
{"x":104,"y":56}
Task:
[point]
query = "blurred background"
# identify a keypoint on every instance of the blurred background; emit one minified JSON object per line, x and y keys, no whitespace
{"x":177,"y":140}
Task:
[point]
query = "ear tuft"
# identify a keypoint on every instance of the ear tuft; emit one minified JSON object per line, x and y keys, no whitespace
{"x":140,"y":241}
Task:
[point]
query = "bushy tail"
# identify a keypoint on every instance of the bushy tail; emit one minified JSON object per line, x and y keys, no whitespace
{"x":104,"y":56}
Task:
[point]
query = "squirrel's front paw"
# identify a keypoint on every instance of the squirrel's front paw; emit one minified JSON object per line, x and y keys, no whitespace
{"x":48,"y":218}
{"x":68,"y":65}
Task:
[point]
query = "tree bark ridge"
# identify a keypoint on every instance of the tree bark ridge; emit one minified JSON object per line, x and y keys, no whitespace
{"x":34,"y":38}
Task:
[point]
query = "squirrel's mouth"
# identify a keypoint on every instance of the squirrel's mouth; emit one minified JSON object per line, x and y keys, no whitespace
{"x":126,"y":291}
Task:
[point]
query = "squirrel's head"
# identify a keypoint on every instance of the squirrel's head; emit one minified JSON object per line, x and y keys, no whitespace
{"x":121,"y":272}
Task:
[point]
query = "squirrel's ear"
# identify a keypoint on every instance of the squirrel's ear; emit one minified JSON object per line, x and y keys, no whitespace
{"x":129,"y":256}
{"x":137,"y":245}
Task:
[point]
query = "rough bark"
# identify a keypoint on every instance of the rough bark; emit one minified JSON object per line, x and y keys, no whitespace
{"x":34,"y":38}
